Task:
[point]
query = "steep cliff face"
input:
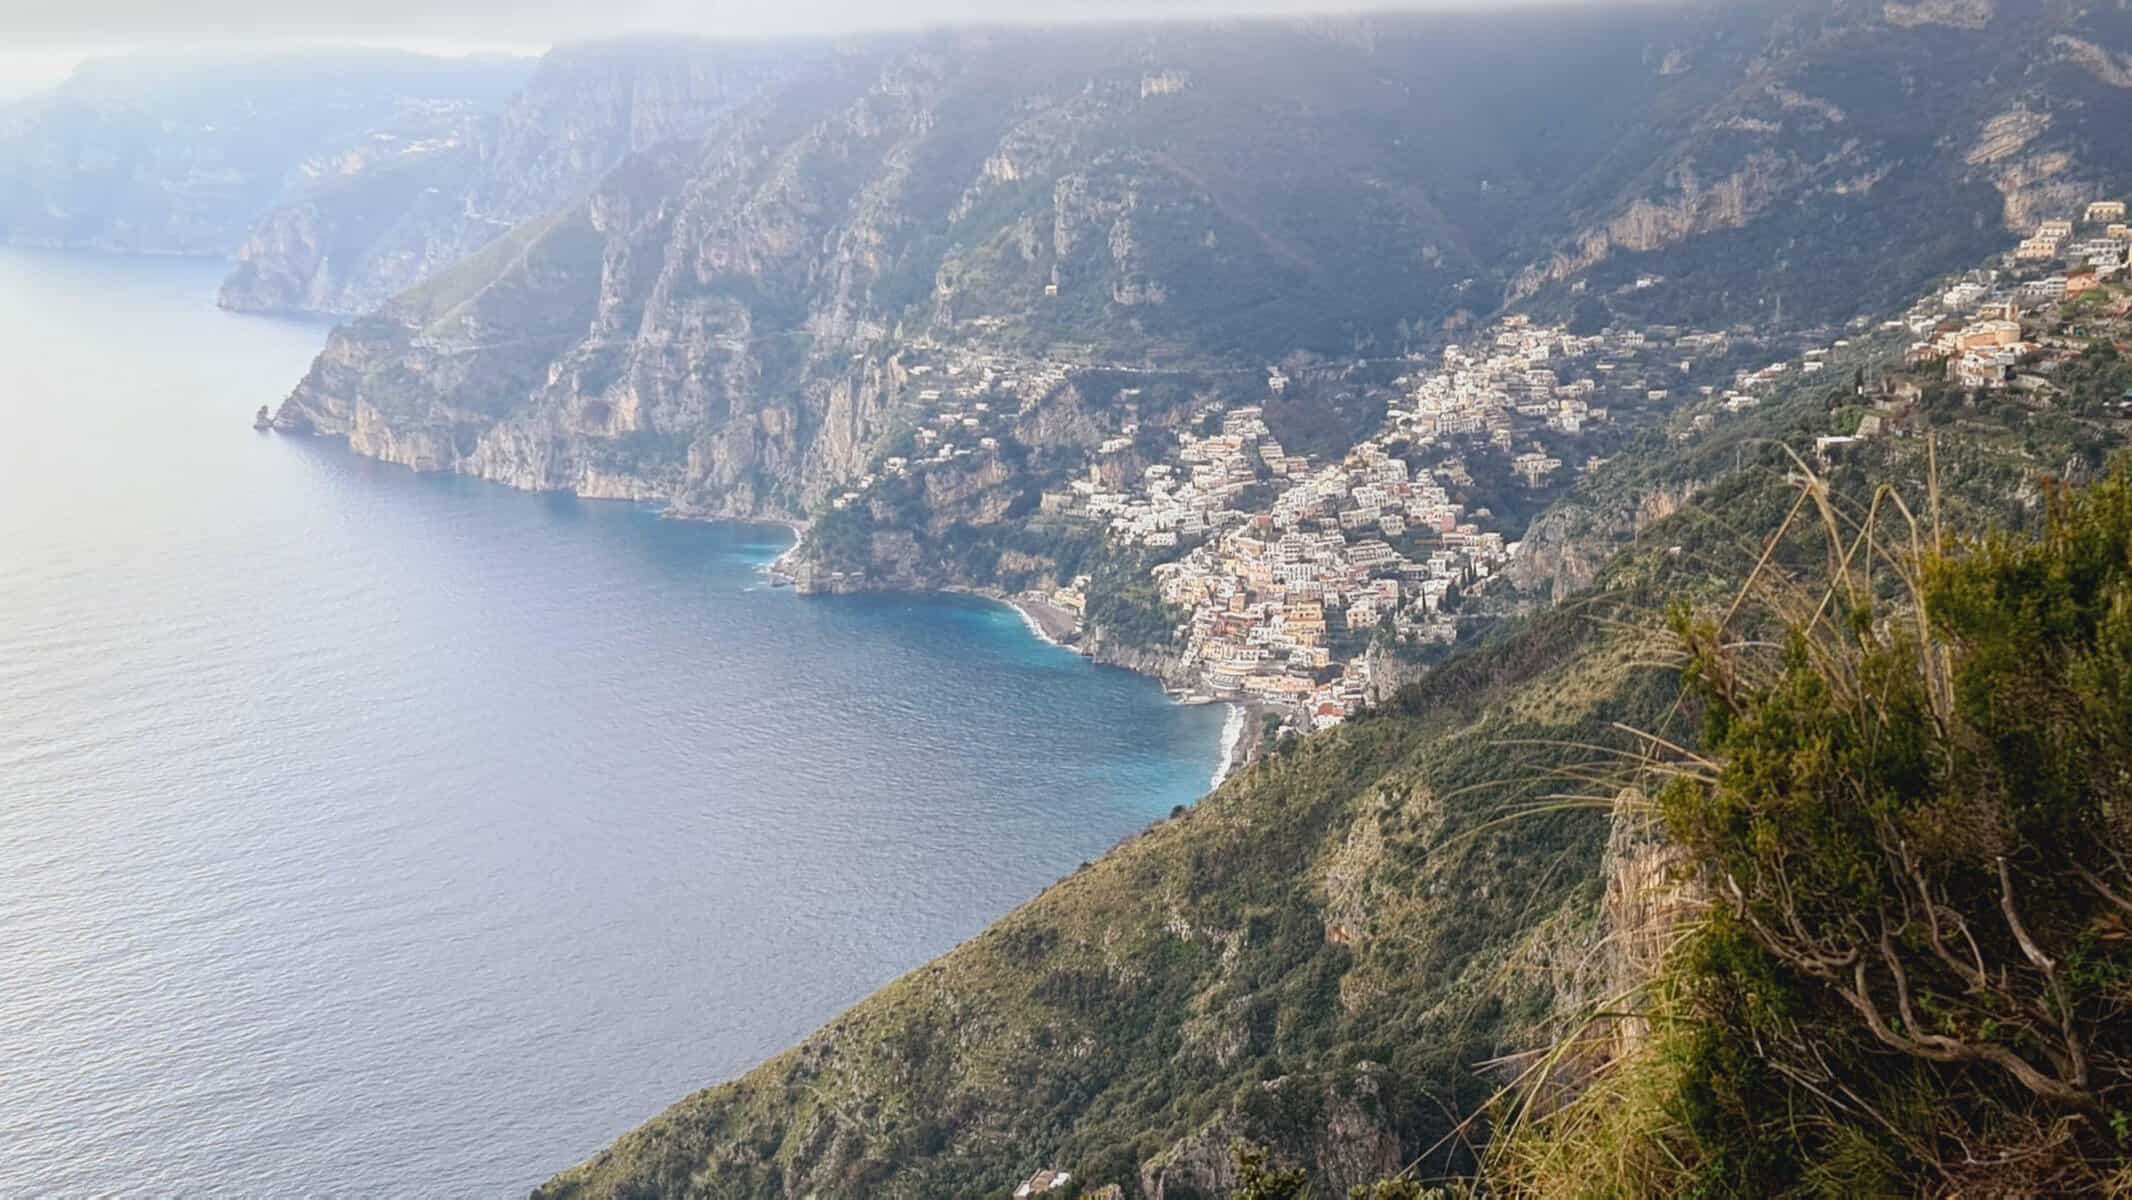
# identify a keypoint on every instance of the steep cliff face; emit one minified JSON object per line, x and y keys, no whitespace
{"x":1565,"y":548}
{"x":717,"y":320}
{"x":1864,"y":147}
{"x":146,"y":155}
{"x":717,"y":324}
{"x":368,"y":226}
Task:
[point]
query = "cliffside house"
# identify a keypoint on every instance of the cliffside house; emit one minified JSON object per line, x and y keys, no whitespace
{"x":1043,"y":1182}
{"x":2039,"y":247}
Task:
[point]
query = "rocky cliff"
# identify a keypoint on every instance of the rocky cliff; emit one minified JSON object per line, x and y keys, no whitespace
{"x":723,"y":324}
{"x":1865,"y":142}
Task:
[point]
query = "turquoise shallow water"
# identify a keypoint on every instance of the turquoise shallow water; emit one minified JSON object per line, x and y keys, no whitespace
{"x":367,"y":833}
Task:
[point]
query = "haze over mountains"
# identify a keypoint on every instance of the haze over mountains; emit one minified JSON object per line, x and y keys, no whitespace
{"x":956,"y":298}
{"x":181,"y":156}
{"x":713,"y":325}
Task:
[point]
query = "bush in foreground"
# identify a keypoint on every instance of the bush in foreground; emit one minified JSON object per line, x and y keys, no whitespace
{"x":1912,"y":818}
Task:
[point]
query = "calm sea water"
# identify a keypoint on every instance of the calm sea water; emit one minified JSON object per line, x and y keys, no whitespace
{"x":366,"y":833}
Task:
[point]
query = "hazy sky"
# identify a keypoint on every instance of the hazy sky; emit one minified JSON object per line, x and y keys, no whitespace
{"x":40,"y":40}
{"x":553,"y":20}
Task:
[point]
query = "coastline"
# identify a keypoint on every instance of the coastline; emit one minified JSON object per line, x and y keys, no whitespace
{"x":1240,"y":737}
{"x":776,"y":569}
{"x":1046,"y":620}
{"x":1059,"y":627}
{"x":1232,"y":743}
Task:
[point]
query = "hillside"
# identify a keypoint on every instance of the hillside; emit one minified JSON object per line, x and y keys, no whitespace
{"x":743,"y":297}
{"x":734,"y":326}
{"x":1315,"y":957}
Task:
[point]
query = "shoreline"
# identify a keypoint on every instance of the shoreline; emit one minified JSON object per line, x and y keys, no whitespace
{"x":1232,"y":743}
{"x":775,"y":568}
{"x":1045,"y":621}
{"x":1058,"y":627}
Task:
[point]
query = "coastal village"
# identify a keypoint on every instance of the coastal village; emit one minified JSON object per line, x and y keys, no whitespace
{"x":1290,"y":568}
{"x":1294,"y":566}
{"x":1294,"y":573}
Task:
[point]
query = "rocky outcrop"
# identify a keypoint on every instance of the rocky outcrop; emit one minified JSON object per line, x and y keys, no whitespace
{"x":2006,"y":134}
{"x":1334,"y":1125}
{"x":1778,"y":154}
{"x":1564,"y":548}
{"x":1557,"y":556}
{"x":1956,"y":14}
{"x":1693,"y":208}
{"x":1600,"y":962}
{"x":2106,"y":65}
{"x":2037,"y":186}
{"x":1157,"y":662}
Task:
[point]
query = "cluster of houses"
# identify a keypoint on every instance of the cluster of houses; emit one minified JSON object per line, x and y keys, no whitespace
{"x":1283,"y":602}
{"x":2103,"y":246}
{"x":1290,"y":568}
{"x":1975,"y":328}
{"x":1492,"y":390}
{"x":1980,"y":351}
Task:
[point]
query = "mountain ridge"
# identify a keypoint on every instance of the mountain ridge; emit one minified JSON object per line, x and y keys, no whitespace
{"x":959,"y":198}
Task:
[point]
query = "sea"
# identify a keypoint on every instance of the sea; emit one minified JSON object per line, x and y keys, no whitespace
{"x":368,"y":833}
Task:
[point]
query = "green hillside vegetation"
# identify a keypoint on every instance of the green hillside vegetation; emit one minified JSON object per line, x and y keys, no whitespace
{"x":1909,"y":827}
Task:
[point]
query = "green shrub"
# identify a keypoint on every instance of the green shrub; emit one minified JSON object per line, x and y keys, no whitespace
{"x":1917,"y":828}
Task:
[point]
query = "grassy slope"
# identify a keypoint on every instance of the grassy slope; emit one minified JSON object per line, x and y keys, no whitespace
{"x":1323,"y":910}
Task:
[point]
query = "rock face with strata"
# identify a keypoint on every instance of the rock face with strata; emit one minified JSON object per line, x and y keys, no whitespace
{"x":1957,"y":14}
{"x":2021,"y":101}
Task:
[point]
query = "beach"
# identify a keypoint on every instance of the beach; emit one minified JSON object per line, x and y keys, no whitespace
{"x":1047,"y":620}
